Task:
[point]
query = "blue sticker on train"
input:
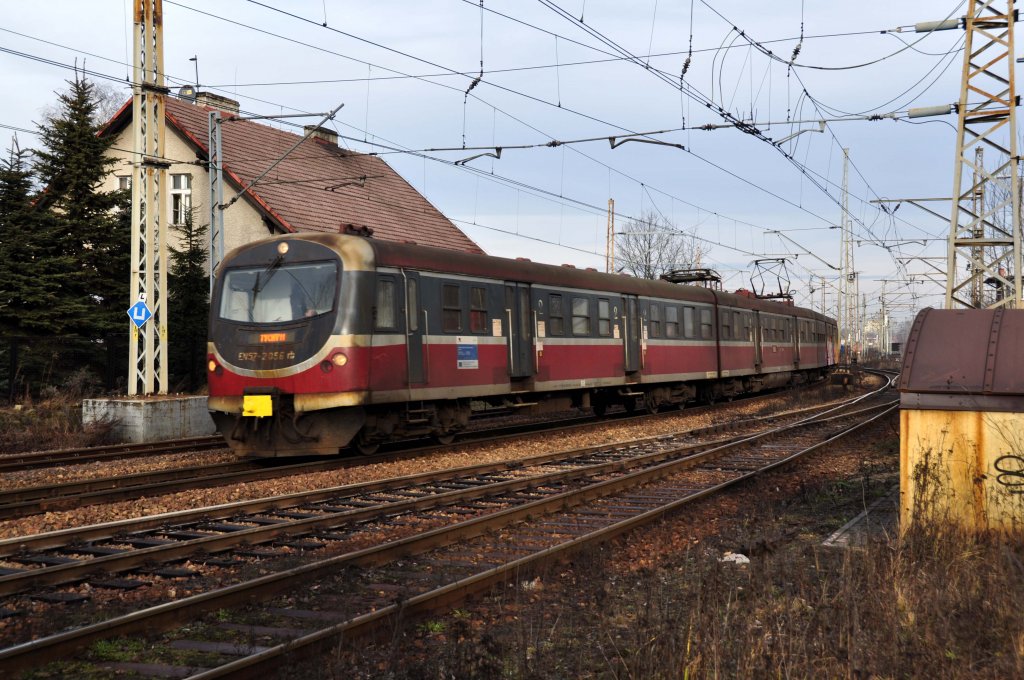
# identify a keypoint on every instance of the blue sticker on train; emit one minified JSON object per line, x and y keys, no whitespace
{"x":466,"y":353}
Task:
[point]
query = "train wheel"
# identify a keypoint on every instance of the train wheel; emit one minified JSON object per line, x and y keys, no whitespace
{"x":364,"y":446}
{"x":444,"y":439}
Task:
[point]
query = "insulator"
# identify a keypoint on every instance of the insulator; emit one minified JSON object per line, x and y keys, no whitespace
{"x":929,"y":26}
{"x":925,"y":111}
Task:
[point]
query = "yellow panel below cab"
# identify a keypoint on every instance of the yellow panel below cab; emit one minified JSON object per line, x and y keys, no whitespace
{"x":257,"y":405}
{"x":962,"y":467}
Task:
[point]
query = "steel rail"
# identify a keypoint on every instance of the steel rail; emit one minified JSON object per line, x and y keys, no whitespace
{"x":37,"y":459}
{"x":132,"y":559}
{"x":27,"y":501}
{"x":170,"y":613}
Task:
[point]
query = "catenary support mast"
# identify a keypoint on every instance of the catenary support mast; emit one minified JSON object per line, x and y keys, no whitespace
{"x":147,"y":369}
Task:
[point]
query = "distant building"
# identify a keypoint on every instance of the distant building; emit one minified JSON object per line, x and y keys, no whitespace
{"x":319,"y":187}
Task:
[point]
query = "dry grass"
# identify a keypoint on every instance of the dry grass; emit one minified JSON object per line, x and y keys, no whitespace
{"x":49,"y":423}
{"x":933,"y":603}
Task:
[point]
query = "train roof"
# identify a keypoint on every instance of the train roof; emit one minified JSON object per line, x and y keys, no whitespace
{"x":411,"y":256}
{"x":441,"y":260}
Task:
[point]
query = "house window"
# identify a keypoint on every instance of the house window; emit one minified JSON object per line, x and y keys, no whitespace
{"x":477,"y":310}
{"x":181,"y":198}
{"x":385,"y":304}
{"x":604,"y":324}
{"x":556,"y":316}
{"x":654,"y":323}
{"x":451,"y":313}
{"x":580,"y":316}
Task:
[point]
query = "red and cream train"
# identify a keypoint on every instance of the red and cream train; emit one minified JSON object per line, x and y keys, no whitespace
{"x":319,"y":341}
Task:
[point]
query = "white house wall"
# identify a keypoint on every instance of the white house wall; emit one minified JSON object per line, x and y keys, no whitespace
{"x":242,"y":223}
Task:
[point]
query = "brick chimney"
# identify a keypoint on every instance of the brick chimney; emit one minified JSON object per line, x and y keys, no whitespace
{"x":329,"y":136}
{"x":215,"y":101}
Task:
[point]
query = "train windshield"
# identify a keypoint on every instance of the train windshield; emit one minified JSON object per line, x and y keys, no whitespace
{"x":279,"y":293}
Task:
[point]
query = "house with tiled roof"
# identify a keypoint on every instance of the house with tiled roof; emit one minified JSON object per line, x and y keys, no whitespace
{"x":319,"y":187}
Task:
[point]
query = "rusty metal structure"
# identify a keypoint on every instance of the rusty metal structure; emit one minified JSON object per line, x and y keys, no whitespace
{"x":962,"y":421}
{"x":984,"y":251}
{"x":147,"y":347}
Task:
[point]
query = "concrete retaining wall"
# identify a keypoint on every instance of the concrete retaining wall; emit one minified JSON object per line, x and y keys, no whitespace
{"x":144,"y":420}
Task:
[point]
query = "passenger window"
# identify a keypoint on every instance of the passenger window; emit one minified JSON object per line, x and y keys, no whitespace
{"x":477,"y":310}
{"x":385,"y":304}
{"x":556,"y":316}
{"x":451,"y":313}
{"x":654,"y":321}
{"x":688,"y":325}
{"x":412,"y":305}
{"x":705,"y":324}
{"x":604,"y":324}
{"x":580,"y":316}
{"x":672,"y":321}
{"x":726,"y":325}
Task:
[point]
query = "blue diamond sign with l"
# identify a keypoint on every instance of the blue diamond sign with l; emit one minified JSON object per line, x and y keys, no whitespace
{"x":139,"y":313}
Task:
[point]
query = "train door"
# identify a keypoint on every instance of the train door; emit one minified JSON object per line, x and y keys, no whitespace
{"x":519,"y":319}
{"x":415,"y":328}
{"x":631,"y":333}
{"x":758,"y":358}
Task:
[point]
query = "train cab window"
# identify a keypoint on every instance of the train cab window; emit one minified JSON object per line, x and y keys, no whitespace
{"x":412,"y":305}
{"x":280,"y":293}
{"x":672,"y":321}
{"x":451,"y":312}
{"x":604,"y":323}
{"x":737,"y":326}
{"x":654,"y":321}
{"x":689,"y":327}
{"x":385,"y":317}
{"x":726,"y":324}
{"x":705,"y":324}
{"x":477,"y":310}
{"x":748,"y":327}
{"x":556,"y":316}
{"x":580,"y":316}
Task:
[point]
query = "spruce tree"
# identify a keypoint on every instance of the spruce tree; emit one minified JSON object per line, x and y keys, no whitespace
{"x":91,"y":228}
{"x":188,"y":303}
{"x":35,"y":298}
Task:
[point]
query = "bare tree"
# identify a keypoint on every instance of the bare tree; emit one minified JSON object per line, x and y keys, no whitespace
{"x":109,"y":99}
{"x":651,"y":245}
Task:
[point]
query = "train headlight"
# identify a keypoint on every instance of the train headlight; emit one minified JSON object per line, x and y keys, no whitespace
{"x":212,"y":365}
{"x":339,"y":359}
{"x":326,"y":366}
{"x":282,"y":248}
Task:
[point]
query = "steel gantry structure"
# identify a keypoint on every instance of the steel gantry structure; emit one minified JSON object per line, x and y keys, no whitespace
{"x":984,"y":251}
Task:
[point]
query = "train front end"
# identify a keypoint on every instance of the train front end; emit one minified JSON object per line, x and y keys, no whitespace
{"x":287,"y":352}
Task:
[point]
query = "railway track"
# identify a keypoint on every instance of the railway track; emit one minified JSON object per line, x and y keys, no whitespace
{"x":451,"y":533}
{"x":31,"y":500}
{"x":32,"y":460}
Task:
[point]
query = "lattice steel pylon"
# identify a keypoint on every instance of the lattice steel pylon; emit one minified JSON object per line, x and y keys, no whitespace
{"x":848,"y":276}
{"x":984,"y":252}
{"x":147,"y":347}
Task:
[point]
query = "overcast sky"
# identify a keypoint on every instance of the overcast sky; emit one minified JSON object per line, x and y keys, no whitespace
{"x":549,"y":76}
